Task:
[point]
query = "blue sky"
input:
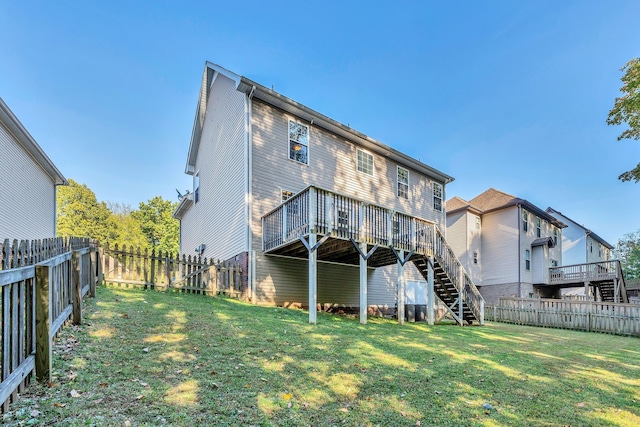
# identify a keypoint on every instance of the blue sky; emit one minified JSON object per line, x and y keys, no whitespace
{"x":506,"y":94}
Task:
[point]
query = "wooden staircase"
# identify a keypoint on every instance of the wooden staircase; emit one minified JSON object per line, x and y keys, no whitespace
{"x":452,"y":285}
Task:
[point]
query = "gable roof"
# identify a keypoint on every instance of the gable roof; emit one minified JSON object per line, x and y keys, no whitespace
{"x":493,"y":200}
{"x":253,"y":89}
{"x":24,"y":138}
{"x":456,"y":204}
{"x":588,"y":232}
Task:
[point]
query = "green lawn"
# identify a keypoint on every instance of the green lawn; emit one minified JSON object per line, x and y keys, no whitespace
{"x":149,"y":358}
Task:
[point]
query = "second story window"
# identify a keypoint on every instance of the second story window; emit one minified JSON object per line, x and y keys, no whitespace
{"x":403,"y":183}
{"x":365,"y":162}
{"x":525,"y":220}
{"x":478,"y":223}
{"x":298,"y":142}
{"x":555,"y":236}
{"x":437,"y":197}
{"x":538,"y":227}
{"x":527,"y":259}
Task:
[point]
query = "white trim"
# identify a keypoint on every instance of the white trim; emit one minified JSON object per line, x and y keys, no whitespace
{"x":441,"y":197}
{"x":284,"y":190}
{"x":373,"y":162}
{"x":196,"y":188}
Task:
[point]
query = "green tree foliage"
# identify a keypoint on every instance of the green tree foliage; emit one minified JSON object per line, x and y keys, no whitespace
{"x":128,"y":228}
{"x":627,"y":250}
{"x":80,"y":214}
{"x":161,"y":230}
{"x":626,"y":109}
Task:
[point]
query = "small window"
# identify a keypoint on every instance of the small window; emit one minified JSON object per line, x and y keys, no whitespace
{"x":525,"y":220}
{"x":196,"y":187}
{"x":555,"y":236}
{"x":527,"y":259}
{"x":478,"y":223}
{"x":285,"y":195}
{"x":365,"y":162}
{"x":403,"y":183}
{"x":437,"y":197}
{"x":475,"y":257}
{"x":538,"y":227}
{"x":298,"y":142}
{"x":590,"y":246}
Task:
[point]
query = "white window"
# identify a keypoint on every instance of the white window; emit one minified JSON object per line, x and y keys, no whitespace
{"x":403,"y":183}
{"x":475,"y":257}
{"x":538,"y":227}
{"x":196,"y":187}
{"x":525,"y":220}
{"x":298,"y":142}
{"x":555,"y":236}
{"x":478,"y":223}
{"x":285,"y":195}
{"x":527,"y":259}
{"x":437,"y":197}
{"x":365,"y":162}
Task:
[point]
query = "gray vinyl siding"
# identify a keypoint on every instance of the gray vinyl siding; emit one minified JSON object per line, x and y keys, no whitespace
{"x":457,"y":235}
{"x":500,"y":257}
{"x":27,"y":193}
{"x":218,"y":219}
{"x":332,"y":165}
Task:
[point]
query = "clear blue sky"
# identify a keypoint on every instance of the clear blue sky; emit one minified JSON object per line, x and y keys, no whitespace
{"x":506,"y":94}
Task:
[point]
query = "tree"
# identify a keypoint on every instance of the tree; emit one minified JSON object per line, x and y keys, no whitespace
{"x":627,"y":250}
{"x":128,"y":228}
{"x":626,"y":109}
{"x":79,"y":214}
{"x":161,"y":230}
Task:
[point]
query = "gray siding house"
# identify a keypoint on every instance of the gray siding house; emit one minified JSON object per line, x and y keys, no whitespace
{"x":506,"y":243}
{"x":27,"y":183}
{"x":295,"y":196}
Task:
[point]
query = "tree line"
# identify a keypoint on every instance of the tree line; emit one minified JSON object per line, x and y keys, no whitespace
{"x":150,"y":226}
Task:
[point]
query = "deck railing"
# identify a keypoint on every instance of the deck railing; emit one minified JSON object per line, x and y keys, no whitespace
{"x":349,"y":218}
{"x":590,"y":272}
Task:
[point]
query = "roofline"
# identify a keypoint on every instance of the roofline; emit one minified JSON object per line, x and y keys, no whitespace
{"x":586,"y":230}
{"x":25,"y":139}
{"x":282,"y":102}
{"x":532,"y":208}
{"x":183,"y":206}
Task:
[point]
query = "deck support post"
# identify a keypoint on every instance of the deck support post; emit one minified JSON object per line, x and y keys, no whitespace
{"x":616,"y":290}
{"x":401,"y":287}
{"x":461,"y":295}
{"x":431,"y":303}
{"x":363,"y":284}
{"x":313,"y":280}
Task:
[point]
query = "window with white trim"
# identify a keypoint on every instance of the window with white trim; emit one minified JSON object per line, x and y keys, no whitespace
{"x":527,"y":259}
{"x":403,"y":183}
{"x":364,"y":161}
{"x":298,"y":142}
{"x":555,"y":236}
{"x":525,"y":220}
{"x":538,"y":227}
{"x":285,"y":195}
{"x":196,"y":187}
{"x":437,"y":196}
{"x":478,"y":223}
{"x":475,"y":257}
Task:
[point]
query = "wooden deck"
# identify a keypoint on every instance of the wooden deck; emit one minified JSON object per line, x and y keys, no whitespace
{"x":341,"y":229}
{"x":605,"y":275}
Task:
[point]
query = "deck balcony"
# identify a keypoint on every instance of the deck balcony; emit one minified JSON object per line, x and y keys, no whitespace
{"x":606,"y":276}
{"x":342,"y":229}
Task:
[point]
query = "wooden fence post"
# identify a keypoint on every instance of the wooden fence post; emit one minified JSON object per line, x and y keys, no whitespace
{"x":43,"y":324}
{"x":76,"y":287}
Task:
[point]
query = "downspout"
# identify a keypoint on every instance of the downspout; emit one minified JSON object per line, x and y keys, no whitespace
{"x":249,"y":196}
{"x":518,"y":219}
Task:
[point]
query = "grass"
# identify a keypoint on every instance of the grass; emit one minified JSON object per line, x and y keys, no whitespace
{"x":149,"y":358}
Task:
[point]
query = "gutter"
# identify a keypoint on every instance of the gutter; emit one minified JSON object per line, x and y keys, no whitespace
{"x":519,"y":250}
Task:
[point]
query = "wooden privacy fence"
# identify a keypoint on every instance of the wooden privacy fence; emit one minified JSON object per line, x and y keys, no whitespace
{"x":607,"y":317}
{"x":129,"y":267}
{"x":42,"y":284}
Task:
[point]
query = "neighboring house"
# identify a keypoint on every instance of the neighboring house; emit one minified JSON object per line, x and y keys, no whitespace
{"x":507,"y":244}
{"x":28,"y":181}
{"x":269,"y":172}
{"x":579,"y":244}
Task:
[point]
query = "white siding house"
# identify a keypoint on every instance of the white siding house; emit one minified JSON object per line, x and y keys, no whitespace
{"x":251,"y":150}
{"x":579,"y":244}
{"x":506,"y":243}
{"x":28,"y":181}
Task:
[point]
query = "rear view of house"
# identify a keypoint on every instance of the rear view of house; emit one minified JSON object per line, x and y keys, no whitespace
{"x":27,"y":183}
{"x":318,"y":214}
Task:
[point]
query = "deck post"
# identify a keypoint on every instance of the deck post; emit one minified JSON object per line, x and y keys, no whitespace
{"x":76,"y":287}
{"x":313,"y":258}
{"x":401,"y":288}
{"x":431,"y":303}
{"x":43,"y":323}
{"x":363,"y":284}
{"x":616,"y":290}
{"x":461,"y":295}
